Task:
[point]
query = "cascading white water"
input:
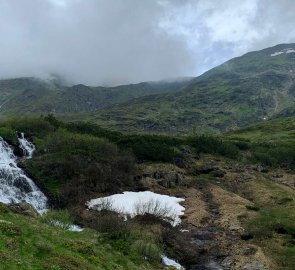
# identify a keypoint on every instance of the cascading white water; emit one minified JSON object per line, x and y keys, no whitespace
{"x":15,"y":186}
{"x":27,"y":147}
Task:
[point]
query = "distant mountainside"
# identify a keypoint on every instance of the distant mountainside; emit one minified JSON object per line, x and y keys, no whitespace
{"x":254,"y":87}
{"x":27,"y":96}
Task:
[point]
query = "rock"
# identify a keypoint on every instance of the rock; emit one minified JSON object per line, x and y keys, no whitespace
{"x":236,"y":229}
{"x":218,"y":173}
{"x":18,"y":151}
{"x":260,"y":168}
{"x":171,"y":179}
{"x":22,"y":184}
{"x":206,"y":169}
{"x":254,"y":266}
{"x":182,"y":163}
{"x":248,"y":251}
{"x":227,"y":263}
{"x":23,"y":209}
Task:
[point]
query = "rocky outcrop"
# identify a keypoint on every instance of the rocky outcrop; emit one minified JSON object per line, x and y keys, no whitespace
{"x":166,"y":179}
{"x":23,"y":209}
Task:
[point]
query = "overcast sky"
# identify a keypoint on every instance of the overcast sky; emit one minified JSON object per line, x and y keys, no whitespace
{"x":122,"y":41}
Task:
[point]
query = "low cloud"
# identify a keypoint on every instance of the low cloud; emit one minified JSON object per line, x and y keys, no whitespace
{"x":113,"y":41}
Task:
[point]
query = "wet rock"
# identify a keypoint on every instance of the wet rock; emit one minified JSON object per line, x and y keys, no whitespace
{"x":22,"y":184}
{"x":254,"y":266}
{"x":17,"y":151}
{"x":23,"y":209}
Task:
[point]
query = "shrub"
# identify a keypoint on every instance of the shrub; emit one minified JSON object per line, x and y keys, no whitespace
{"x":147,"y":250}
{"x":252,"y":207}
{"x":112,"y":224}
{"x":150,"y":147}
{"x":8,"y":135}
{"x":155,"y":208}
{"x":214,"y":145}
{"x":30,"y":126}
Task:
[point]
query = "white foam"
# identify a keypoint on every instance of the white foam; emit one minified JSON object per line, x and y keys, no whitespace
{"x":15,"y":186}
{"x":27,"y":147}
{"x":170,"y":262}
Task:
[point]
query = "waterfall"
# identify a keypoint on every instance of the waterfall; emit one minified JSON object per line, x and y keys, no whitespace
{"x":27,"y":147}
{"x":15,"y":186}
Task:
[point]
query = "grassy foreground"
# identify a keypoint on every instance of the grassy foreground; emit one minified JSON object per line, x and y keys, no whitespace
{"x":29,"y":243}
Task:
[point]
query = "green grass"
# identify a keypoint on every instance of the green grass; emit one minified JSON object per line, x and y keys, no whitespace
{"x":274,"y":228}
{"x":30,"y":243}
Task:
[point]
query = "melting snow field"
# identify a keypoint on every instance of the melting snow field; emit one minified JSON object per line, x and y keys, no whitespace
{"x":139,"y":203}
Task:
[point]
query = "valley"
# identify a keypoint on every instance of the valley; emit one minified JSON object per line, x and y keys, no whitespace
{"x":220,"y":146}
{"x":238,"y":196}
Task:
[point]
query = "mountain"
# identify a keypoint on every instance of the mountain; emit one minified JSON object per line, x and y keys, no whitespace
{"x":27,"y":96}
{"x":245,"y":90}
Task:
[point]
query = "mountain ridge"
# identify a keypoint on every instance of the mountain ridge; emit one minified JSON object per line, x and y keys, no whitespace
{"x":244,"y":90}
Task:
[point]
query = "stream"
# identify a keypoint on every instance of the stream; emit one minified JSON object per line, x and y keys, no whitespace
{"x":16,"y":187}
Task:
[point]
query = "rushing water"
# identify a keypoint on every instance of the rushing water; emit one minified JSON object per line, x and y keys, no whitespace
{"x":27,"y":147}
{"x":15,"y":186}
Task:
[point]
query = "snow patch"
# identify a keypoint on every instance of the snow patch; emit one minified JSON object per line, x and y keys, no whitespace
{"x":130,"y":204}
{"x":170,"y":262}
{"x":276,"y":53}
{"x":288,"y":50}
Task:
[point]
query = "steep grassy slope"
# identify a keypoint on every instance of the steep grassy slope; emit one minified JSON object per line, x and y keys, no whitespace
{"x":30,"y":243}
{"x":244,"y":90}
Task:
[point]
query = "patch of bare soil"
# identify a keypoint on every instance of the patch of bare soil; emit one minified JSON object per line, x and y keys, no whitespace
{"x":214,"y":211}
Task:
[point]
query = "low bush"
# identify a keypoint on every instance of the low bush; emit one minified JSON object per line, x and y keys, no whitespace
{"x":252,"y":207}
{"x":8,"y":135}
{"x":214,"y":145}
{"x":155,"y":209}
{"x":147,"y":250}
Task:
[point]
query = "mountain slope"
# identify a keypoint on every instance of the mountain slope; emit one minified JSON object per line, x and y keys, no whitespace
{"x":244,"y":90}
{"x":34,"y":96}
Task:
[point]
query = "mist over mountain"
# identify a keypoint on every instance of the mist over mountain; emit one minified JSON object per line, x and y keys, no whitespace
{"x":254,"y":87}
{"x":112,"y":42}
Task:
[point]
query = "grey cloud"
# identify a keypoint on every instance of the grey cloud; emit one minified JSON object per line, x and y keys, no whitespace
{"x":121,"y":41}
{"x":93,"y":41}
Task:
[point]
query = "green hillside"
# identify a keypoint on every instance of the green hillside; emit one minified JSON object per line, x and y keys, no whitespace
{"x":31,"y":96}
{"x":242,"y":91}
{"x":258,"y":85}
{"x":33,"y":243}
{"x":238,"y":189}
